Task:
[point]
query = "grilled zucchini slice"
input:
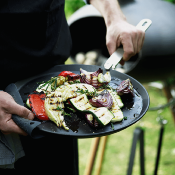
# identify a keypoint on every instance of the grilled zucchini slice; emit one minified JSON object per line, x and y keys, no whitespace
{"x":102,"y":114}
{"x":115,"y":109}
{"x":74,"y":90}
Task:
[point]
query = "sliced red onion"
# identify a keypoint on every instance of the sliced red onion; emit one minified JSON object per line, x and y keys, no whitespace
{"x":91,"y":77}
{"x":93,"y":73}
{"x":104,"y":99}
{"x":90,"y":119}
{"x":125,"y":87}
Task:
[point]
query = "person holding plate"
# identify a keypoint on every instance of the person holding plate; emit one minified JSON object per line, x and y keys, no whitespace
{"x":34,"y":36}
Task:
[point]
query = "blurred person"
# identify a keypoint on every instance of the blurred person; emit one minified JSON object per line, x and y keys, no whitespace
{"x":34,"y":36}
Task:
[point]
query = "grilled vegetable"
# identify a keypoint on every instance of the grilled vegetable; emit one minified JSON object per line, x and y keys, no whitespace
{"x":90,"y":119}
{"x":101,"y":114}
{"x":57,"y":81}
{"x":51,"y":85}
{"x":36,"y":102}
{"x":125,"y":88}
{"x":54,"y":108}
{"x":90,"y":77}
{"x":117,"y":98}
{"x":66,"y":73}
{"x":103,"y":107}
{"x":104,"y":99}
{"x":104,"y":78}
{"x":73,"y":90}
{"x":115,"y":109}
{"x":70,"y":75}
{"x":117,"y":104}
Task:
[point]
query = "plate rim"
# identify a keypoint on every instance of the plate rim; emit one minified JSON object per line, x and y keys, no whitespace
{"x":22,"y":83}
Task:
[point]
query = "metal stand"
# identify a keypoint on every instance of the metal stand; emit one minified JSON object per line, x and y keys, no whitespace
{"x":159,"y":148}
{"x":138,"y":135}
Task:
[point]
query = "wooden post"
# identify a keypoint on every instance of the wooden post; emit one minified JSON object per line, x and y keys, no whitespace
{"x":100,"y":155}
{"x":92,"y":155}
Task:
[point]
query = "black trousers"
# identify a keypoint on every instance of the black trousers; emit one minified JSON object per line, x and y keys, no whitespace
{"x":53,"y":154}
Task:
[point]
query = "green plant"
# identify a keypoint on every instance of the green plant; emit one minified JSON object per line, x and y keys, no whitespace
{"x":72,"y":5}
{"x":173,"y":1}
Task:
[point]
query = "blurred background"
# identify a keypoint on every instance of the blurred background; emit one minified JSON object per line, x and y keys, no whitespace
{"x":158,"y":77}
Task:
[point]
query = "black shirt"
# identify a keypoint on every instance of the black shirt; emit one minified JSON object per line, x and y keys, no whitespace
{"x":34,"y":36}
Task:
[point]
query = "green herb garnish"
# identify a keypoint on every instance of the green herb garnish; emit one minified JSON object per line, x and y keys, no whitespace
{"x":112,"y":126}
{"x":86,"y":92}
{"x":63,"y":112}
{"x":125,"y":118}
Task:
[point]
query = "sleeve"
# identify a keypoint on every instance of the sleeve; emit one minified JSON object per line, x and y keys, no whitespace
{"x":86,"y":1}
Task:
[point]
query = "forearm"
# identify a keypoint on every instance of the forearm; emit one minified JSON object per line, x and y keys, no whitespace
{"x":119,"y":31}
{"x":109,"y":9}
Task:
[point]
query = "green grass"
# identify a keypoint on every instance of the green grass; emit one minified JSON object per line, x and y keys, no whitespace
{"x":118,"y":145}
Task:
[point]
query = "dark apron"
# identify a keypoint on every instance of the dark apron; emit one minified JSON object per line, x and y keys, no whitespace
{"x":34,"y":36}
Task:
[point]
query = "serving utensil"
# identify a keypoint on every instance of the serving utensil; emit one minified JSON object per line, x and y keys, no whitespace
{"x":117,"y":56}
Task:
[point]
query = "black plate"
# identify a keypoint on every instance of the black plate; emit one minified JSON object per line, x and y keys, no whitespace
{"x":134,"y":109}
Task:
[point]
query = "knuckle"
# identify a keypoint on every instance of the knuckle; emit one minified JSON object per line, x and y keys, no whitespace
{"x":130,"y":53}
{"x":23,"y":111}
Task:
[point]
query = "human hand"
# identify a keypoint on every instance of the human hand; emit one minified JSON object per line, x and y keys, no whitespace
{"x":124,"y":34}
{"x":8,"y":107}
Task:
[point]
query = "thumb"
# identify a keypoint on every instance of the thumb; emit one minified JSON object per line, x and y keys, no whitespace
{"x":21,"y":111}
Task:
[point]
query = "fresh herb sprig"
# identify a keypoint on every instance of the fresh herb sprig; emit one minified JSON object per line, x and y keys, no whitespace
{"x":112,"y":126}
{"x":63,"y":112}
{"x":106,"y":86}
{"x":86,"y":92}
{"x":49,"y":82}
{"x":74,"y":82}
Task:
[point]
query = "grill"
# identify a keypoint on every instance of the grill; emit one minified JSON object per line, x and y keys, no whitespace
{"x":157,"y":57}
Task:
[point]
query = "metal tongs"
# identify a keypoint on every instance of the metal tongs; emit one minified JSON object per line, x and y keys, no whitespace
{"x":116,"y":57}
